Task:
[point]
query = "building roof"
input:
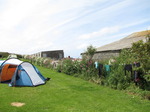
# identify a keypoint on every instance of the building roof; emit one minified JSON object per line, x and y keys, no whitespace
{"x":125,"y":42}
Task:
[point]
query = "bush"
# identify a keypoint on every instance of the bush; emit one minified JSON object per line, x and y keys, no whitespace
{"x":83,"y":69}
{"x":117,"y":78}
{"x":47,"y":63}
{"x":69,"y":67}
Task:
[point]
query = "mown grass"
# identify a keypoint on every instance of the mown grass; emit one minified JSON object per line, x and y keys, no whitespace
{"x":65,"y":93}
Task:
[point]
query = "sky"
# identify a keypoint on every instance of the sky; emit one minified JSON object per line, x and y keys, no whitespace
{"x":31,"y":26}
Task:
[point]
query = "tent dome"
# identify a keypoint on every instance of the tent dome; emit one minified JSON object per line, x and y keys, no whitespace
{"x":20,"y":73}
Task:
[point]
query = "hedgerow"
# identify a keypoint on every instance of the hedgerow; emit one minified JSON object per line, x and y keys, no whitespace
{"x":116,"y":78}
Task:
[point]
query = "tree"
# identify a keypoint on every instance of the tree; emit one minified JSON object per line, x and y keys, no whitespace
{"x":90,"y":51}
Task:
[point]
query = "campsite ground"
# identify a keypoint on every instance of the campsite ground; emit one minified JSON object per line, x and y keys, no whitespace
{"x":65,"y":93}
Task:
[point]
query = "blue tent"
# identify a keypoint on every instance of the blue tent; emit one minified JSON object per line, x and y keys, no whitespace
{"x":20,"y":73}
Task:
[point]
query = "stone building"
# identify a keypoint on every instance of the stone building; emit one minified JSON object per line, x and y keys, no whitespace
{"x":103,"y":55}
{"x":113,"y":49}
{"x":57,"y":54}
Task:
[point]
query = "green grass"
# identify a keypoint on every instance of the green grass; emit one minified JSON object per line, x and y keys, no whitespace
{"x":65,"y":93}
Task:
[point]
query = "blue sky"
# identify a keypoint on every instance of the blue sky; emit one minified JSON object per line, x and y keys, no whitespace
{"x":31,"y":26}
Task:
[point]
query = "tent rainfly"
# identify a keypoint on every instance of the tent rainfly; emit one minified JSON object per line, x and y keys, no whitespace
{"x":19,"y":73}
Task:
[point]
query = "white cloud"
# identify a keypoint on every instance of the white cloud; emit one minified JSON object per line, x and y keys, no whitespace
{"x":101,"y":32}
{"x":111,"y":30}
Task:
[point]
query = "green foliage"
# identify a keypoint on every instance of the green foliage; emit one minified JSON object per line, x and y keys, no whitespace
{"x":84,"y":69}
{"x":141,"y":53}
{"x":87,"y":69}
{"x":135,"y":91}
{"x":59,"y":68}
{"x":117,"y":78}
{"x":90,"y":51}
{"x":69,"y":67}
{"x":147,"y":77}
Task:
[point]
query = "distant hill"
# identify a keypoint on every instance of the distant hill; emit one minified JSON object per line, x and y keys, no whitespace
{"x":125,"y":42}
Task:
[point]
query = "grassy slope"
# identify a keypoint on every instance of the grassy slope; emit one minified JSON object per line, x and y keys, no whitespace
{"x":68,"y":94}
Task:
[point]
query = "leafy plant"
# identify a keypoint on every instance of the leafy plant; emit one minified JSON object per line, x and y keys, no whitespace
{"x":90,"y":51}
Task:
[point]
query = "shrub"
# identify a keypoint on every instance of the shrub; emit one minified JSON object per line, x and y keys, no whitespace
{"x":117,"y":78}
{"x":47,"y":63}
{"x":69,"y":67}
{"x":88,"y":70}
{"x":90,"y":51}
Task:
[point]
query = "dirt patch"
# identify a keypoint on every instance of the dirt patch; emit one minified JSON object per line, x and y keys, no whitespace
{"x":17,"y":104}
{"x":131,"y":93}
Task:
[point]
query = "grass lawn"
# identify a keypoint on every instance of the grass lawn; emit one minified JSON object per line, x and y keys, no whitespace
{"x":65,"y":93}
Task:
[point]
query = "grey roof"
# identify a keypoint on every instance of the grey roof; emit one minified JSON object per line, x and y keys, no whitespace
{"x":125,"y":42}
